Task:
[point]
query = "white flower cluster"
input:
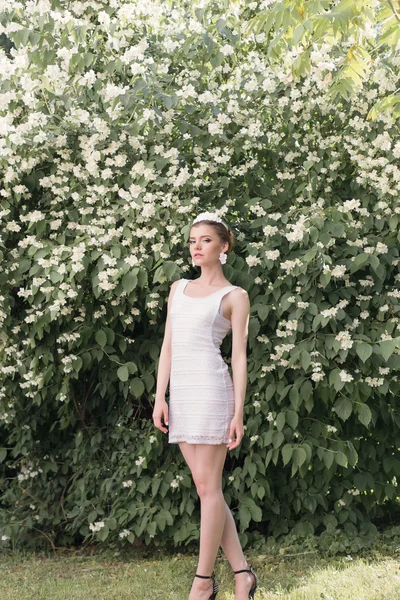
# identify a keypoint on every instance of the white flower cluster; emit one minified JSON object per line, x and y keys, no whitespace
{"x":127,"y":484}
{"x":332,"y":312}
{"x":272,"y":254}
{"x":317,"y":374}
{"x":345,"y":340}
{"x":331,"y":428}
{"x":344,"y":376}
{"x":27,"y":472}
{"x":280,"y":350}
{"x":374,"y":381}
{"x":298,"y":229}
{"x":95,"y":527}
{"x":124,"y":533}
{"x":175,"y":482}
{"x":140,"y":461}
{"x":290,"y":327}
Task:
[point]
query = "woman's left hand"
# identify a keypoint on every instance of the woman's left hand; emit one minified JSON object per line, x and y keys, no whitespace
{"x":236,"y":433}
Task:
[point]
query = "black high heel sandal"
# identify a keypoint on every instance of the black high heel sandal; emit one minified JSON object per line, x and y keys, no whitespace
{"x":255,"y":584}
{"x":215,"y":584}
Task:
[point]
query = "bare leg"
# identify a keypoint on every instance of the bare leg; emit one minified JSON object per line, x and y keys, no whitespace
{"x":210,"y":461}
{"x":217,"y":523}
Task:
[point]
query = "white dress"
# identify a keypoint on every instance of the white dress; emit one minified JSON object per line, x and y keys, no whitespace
{"x":201,"y":402}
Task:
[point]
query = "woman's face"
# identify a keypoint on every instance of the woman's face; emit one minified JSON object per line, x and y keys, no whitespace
{"x":204,"y":241}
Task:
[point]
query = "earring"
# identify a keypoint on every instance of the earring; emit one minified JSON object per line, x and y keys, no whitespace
{"x":222,"y":258}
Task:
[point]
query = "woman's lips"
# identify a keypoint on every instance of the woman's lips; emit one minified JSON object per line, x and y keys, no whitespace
{"x":197,"y":255}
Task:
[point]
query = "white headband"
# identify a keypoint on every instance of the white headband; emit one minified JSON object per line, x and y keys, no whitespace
{"x":208,"y":216}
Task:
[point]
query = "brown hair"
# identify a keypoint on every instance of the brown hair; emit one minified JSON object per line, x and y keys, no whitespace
{"x":224,"y":234}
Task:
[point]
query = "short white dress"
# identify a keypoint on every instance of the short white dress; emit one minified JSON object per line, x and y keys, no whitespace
{"x":201,"y":394}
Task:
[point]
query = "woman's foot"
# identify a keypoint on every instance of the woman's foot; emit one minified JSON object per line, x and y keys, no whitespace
{"x":201,"y":589}
{"x":243,"y":583}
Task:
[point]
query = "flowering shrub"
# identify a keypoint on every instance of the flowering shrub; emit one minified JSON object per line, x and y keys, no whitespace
{"x":119,"y":122}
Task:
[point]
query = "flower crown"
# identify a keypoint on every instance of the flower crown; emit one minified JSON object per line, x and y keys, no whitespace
{"x":208,"y":216}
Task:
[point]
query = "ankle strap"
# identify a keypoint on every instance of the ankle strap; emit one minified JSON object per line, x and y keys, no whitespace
{"x":204,"y":576}
{"x":242,"y":571}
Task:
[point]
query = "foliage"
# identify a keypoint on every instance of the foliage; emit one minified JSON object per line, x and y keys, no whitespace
{"x":119,"y":121}
{"x":302,"y":27}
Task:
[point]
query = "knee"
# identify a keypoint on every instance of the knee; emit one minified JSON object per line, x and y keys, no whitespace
{"x":206,"y":488}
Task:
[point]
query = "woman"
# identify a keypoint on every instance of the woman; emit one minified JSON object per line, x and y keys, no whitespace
{"x":205,"y":412}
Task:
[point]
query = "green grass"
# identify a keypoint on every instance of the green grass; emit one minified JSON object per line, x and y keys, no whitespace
{"x":161,"y":576}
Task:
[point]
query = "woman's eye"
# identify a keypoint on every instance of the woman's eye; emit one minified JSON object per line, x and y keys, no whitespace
{"x":192,"y":241}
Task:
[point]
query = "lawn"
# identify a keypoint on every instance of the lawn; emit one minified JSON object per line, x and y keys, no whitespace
{"x":140,"y":576}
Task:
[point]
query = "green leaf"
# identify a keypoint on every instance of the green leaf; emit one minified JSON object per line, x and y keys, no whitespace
{"x":364,"y":414}
{"x":343,"y":408}
{"x":341,"y":459}
{"x":387,"y":348}
{"x":328,"y":458}
{"x":287,"y":452}
{"x":3,"y":454}
{"x":278,"y":439}
{"x":103,"y":533}
{"x":129,"y":282}
{"x":112,"y":523}
{"x":305,"y":360}
{"x":101,"y":337}
{"x":363,"y":350}
{"x":280,"y":421}
{"x":169,"y":267}
{"x":137,"y":387}
{"x":123,"y":373}
{"x":244,"y":517}
{"x":131,"y":367}
{"x":299,"y":457}
{"x":292,"y":418}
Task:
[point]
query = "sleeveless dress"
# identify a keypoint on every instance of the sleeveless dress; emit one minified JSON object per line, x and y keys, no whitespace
{"x":201,"y":402}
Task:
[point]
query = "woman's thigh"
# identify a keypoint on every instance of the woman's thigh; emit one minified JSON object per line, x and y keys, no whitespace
{"x":206,"y":462}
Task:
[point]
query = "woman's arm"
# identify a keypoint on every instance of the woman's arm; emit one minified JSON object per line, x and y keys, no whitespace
{"x":240,"y":324}
{"x":164,"y":370}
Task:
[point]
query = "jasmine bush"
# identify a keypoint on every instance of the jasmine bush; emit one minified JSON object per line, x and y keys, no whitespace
{"x":119,"y":122}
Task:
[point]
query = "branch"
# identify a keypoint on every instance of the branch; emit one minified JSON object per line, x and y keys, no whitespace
{"x":396,"y":14}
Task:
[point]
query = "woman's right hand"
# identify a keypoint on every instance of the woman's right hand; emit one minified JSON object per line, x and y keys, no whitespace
{"x":160,"y":412}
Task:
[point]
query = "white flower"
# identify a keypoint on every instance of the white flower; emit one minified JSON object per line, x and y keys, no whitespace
{"x":95,"y":527}
{"x":215,"y":128}
{"x":331,"y":429}
{"x":270,"y":417}
{"x":381,"y":248}
{"x":253,"y":260}
{"x":344,"y":376}
{"x":345,"y":340}
{"x":338,"y":271}
{"x":374,"y":381}
{"x":254,"y":438}
{"x":128,"y":483}
{"x":272,"y":254}
{"x":124,"y":533}
{"x":227,"y":50}
{"x":341,"y":502}
{"x":317,"y":376}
